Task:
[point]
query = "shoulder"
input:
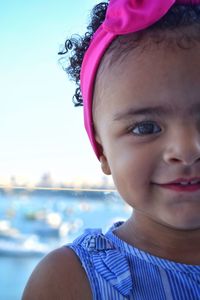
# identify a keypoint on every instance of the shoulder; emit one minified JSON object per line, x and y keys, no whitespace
{"x":58,"y":276}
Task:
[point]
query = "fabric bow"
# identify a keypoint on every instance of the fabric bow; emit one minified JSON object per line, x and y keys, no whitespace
{"x":109,"y":262}
{"x":126,"y":16}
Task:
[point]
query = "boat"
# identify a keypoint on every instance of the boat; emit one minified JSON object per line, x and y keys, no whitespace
{"x":15,"y":243}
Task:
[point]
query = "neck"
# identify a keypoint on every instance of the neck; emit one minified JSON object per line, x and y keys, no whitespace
{"x":181,"y":246}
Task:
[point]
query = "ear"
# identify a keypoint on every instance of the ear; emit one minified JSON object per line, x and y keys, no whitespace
{"x":103,"y":160}
{"x":104,"y":165}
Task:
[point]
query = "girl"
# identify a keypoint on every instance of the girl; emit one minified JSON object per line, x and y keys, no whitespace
{"x":139,"y":69}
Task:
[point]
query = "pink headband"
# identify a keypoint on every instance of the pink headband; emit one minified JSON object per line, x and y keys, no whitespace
{"x":122,"y":17}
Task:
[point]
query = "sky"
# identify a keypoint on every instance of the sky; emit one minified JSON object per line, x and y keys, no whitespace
{"x":40,"y":129}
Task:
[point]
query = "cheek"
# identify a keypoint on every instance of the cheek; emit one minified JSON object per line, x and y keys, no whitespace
{"x":132,"y":168}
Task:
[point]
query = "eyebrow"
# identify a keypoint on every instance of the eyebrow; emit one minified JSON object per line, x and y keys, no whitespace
{"x":158,"y":111}
{"x":154,"y":111}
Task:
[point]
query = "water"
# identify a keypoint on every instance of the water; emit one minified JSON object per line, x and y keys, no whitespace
{"x":46,"y":220}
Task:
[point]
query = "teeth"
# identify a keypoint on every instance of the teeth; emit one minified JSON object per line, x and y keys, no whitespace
{"x":194,"y":181}
{"x":184,"y":183}
{"x":191,"y":182}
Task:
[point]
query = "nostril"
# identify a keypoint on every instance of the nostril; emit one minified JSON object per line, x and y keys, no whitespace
{"x":175,"y":160}
{"x":182,"y":153}
{"x":184,"y":161}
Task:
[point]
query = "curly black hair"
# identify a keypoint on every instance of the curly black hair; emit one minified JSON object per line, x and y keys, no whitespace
{"x":178,"y":16}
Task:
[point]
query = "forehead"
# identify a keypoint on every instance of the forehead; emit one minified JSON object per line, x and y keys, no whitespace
{"x":150,"y":75}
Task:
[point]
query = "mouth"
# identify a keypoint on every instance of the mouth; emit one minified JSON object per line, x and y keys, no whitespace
{"x":183,"y":185}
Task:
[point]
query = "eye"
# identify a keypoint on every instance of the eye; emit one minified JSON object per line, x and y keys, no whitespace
{"x":145,"y":128}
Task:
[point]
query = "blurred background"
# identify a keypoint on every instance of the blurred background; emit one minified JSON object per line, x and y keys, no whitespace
{"x":51,"y":185}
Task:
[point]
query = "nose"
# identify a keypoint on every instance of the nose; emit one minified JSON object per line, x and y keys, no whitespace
{"x":183,"y":148}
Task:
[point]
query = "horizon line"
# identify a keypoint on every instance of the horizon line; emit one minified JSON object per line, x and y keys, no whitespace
{"x":10,"y":187}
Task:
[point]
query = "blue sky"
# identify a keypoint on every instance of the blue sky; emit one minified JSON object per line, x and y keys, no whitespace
{"x":40,"y":130}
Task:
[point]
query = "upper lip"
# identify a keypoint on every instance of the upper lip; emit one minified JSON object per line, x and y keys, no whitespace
{"x":179,"y":180}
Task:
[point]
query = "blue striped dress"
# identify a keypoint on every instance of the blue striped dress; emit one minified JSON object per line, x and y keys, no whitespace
{"x":117,"y":270}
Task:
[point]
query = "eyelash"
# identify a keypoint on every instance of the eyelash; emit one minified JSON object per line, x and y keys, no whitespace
{"x":143,"y":123}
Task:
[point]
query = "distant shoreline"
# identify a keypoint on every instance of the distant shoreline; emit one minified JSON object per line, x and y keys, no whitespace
{"x":55,"y":191}
{"x":6,"y":187}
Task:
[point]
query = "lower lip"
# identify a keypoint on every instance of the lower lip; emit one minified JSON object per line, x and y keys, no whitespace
{"x":181,"y":188}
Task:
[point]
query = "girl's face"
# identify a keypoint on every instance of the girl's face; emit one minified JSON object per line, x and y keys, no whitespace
{"x":148,"y":123}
